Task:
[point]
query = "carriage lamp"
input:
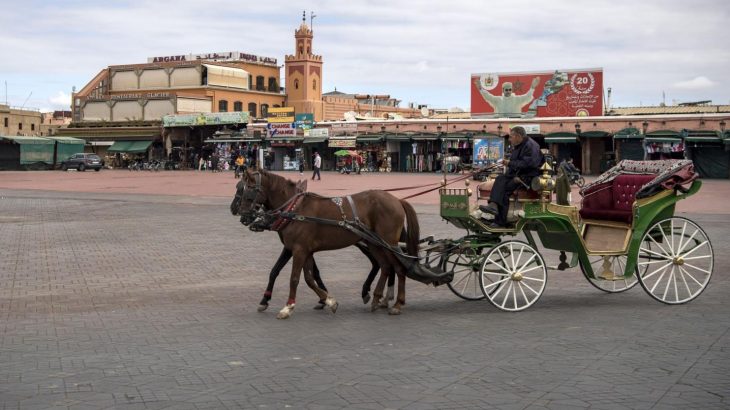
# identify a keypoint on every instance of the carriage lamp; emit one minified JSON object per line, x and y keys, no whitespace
{"x":469,"y":191}
{"x":547,"y":184}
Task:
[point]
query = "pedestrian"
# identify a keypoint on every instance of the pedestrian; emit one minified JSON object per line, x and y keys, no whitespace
{"x":301,"y":165}
{"x":316,"y":165}
{"x":201,"y":163}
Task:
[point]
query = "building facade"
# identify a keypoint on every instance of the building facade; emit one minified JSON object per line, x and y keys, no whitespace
{"x":18,"y":121}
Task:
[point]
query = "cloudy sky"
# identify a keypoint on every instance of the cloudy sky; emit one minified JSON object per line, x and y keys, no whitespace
{"x":417,"y":51}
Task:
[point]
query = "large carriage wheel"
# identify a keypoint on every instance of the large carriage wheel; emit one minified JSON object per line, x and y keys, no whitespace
{"x":513,"y":276}
{"x":679,"y":262}
{"x":465,"y":264}
{"x":609,"y":273}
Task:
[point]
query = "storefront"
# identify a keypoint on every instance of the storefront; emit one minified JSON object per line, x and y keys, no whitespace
{"x":65,"y":147}
{"x":564,"y":146}
{"x":329,"y":160}
{"x":399,"y":148}
{"x":629,"y":144}
{"x":458,"y":144}
{"x":426,"y":153}
{"x":597,"y":151}
{"x":663,"y":144}
{"x":282,"y":153}
{"x":708,"y":152}
{"x":372,"y":149}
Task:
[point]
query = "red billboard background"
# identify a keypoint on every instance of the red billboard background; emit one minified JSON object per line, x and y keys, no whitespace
{"x":559,"y":93}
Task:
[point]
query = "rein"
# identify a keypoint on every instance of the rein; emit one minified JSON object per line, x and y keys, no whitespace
{"x":439,"y":184}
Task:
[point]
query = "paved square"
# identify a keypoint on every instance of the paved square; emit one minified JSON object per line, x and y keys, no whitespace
{"x":149,"y":302}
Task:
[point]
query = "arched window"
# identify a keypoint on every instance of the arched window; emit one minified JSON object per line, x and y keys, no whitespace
{"x":296,"y":84}
{"x":264,"y":110}
{"x":222,"y":106}
{"x":250,"y":81}
{"x":260,"y":83}
{"x":252,"y":110}
{"x":314,"y":85}
{"x":237,"y":106}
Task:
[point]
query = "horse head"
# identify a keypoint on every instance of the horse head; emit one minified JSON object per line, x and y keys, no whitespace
{"x":250,"y":197}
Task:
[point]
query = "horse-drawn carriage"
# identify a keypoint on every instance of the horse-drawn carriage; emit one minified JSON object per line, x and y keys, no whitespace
{"x":624,"y":233}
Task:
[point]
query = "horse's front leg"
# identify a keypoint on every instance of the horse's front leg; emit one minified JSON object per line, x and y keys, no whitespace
{"x":401,"y":299}
{"x":278,"y":266}
{"x":296,"y":271}
{"x":309,"y":277}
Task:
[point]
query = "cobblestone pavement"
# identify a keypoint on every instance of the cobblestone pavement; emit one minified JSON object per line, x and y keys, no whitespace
{"x":149,"y":302}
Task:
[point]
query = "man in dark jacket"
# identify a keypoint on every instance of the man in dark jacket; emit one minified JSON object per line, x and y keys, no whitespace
{"x":522,"y":165}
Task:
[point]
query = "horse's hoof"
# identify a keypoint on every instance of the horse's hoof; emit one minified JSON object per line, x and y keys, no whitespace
{"x":374,"y":307}
{"x":332,"y":303}
{"x":394,"y":311}
{"x":366,"y":299}
{"x":285,"y":312}
{"x":261,"y":308}
{"x":319,"y":306}
{"x":383,"y":303}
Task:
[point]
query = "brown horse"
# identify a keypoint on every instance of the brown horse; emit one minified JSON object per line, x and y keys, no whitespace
{"x":311,"y":223}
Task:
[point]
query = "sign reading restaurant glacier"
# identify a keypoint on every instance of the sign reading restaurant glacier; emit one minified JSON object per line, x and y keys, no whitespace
{"x":226,"y":55}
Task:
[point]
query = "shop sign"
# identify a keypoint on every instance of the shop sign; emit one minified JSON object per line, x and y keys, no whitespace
{"x":317,"y":133}
{"x":280,"y":114}
{"x":344,"y":128}
{"x":223,"y":55}
{"x":133,"y":96}
{"x":557,"y":93}
{"x":281,"y":130}
{"x":304,"y":121}
{"x":342,"y":142}
{"x":211,"y":118}
{"x":529,"y":128}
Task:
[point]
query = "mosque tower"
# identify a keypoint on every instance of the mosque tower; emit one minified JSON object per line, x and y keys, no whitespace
{"x":304,"y":75}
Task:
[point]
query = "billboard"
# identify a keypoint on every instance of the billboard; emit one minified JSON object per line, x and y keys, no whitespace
{"x":558,"y":93}
{"x":487,"y":151}
{"x":280,"y":114}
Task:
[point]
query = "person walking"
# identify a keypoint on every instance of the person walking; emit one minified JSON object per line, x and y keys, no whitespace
{"x":316,"y":165}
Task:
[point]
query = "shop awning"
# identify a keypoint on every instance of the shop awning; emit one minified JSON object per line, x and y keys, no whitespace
{"x":33,"y":149}
{"x":455,"y":137}
{"x":594,"y":134}
{"x":425,"y":137}
{"x":702,"y":136}
{"x":663,"y":136}
{"x":129,"y":146}
{"x":628,"y":133}
{"x":561,"y":138}
{"x":314,"y":140}
{"x":397,"y":137}
{"x":67,"y":146}
{"x":369,"y":138}
{"x":217,"y":140}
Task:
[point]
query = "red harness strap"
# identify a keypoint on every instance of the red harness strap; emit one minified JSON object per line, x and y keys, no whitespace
{"x":280,"y":223}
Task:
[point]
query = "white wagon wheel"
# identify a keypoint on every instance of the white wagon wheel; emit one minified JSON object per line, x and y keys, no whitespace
{"x":679,"y":262}
{"x":465,"y":264}
{"x":513,"y":276}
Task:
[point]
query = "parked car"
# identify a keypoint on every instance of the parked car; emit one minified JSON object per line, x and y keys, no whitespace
{"x":82,"y":162}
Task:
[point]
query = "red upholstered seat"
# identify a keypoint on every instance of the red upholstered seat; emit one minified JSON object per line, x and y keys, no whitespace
{"x":614,"y":200}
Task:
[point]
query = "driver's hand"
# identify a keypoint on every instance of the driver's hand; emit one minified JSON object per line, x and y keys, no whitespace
{"x":517,"y":180}
{"x":505,"y":162}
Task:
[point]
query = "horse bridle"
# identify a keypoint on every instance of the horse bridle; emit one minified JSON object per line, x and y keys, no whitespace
{"x":251,"y":195}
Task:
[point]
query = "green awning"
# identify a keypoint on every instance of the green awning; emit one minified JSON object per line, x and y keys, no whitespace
{"x":397,"y":137}
{"x":628,"y":133}
{"x":314,"y":140}
{"x":425,"y":137}
{"x":660,"y":139}
{"x":33,"y":149}
{"x":702,"y":136}
{"x":561,"y":138}
{"x":485,"y":135}
{"x":594,"y":134}
{"x":369,"y":138}
{"x":67,"y":146}
{"x":663,"y":133}
{"x":129,"y":146}
{"x":455,"y":137}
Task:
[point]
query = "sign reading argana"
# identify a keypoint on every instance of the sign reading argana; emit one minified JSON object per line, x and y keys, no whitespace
{"x":224,"y":55}
{"x":559,"y":93}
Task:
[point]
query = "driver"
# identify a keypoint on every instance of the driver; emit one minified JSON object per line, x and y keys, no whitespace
{"x":523,"y":165}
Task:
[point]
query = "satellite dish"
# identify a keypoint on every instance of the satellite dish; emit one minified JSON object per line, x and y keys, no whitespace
{"x":424,"y":111}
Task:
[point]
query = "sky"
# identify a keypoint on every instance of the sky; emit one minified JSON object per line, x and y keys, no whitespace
{"x":423,"y":51}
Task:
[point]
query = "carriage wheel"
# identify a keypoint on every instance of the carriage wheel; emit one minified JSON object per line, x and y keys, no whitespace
{"x":609,"y":274}
{"x":513,"y":276}
{"x":465,"y":264}
{"x":679,"y":262}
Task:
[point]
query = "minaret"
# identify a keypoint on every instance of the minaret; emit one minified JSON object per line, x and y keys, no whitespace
{"x":303,"y":72}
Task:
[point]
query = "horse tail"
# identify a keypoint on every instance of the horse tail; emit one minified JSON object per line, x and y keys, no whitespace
{"x":414,"y":231}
